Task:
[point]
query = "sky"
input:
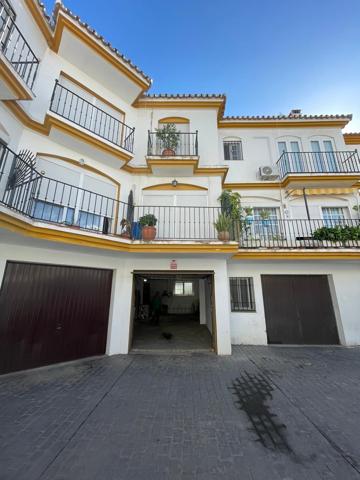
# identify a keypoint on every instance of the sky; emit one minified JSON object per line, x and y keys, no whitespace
{"x":267,"y":56}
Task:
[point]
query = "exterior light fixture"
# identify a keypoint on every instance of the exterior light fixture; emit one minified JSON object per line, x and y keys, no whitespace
{"x":174,"y":183}
{"x":82,"y":162}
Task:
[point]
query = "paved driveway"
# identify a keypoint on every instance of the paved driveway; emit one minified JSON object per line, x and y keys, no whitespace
{"x":264,"y":413}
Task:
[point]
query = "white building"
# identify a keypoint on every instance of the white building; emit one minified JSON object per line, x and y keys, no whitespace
{"x":81,"y":163}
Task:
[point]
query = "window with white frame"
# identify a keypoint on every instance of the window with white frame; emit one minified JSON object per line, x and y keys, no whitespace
{"x":242,"y":294}
{"x":334,"y":216}
{"x":184,"y":289}
{"x":266,"y":222}
{"x":233,"y":150}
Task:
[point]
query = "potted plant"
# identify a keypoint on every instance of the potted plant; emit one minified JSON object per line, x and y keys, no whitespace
{"x":169,"y":139}
{"x":249,"y":216}
{"x":223,"y":226}
{"x":148,"y":229}
{"x":265,"y":216}
{"x":231,"y":206}
{"x":125,"y":228}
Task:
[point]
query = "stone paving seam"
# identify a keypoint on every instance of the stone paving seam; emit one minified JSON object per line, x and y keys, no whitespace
{"x":347,"y":458}
{"x":78,"y":428}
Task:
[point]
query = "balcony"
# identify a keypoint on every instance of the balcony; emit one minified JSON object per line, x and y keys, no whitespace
{"x":19,"y":56}
{"x":186,"y":145}
{"x":333,"y":168}
{"x":175,"y":156}
{"x":72,"y":107}
{"x":42,"y":199}
{"x":298,"y":234}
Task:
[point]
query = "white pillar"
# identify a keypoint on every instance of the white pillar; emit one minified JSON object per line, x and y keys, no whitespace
{"x":120,"y":310}
{"x":222,"y":310}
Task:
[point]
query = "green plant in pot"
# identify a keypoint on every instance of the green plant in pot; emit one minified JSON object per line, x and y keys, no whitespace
{"x":169,"y":139}
{"x":148,"y":227}
{"x":223,"y":225}
{"x":231,"y":206}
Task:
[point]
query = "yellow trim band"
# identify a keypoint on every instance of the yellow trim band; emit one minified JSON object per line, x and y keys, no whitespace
{"x":179,"y":186}
{"x":179,"y":120}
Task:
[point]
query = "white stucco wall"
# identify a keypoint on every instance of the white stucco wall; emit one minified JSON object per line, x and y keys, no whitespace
{"x":250,"y":327}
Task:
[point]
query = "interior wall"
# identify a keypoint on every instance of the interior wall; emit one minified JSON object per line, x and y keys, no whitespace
{"x":177,"y":304}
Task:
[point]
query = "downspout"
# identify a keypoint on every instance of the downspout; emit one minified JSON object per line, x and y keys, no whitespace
{"x":306,"y":203}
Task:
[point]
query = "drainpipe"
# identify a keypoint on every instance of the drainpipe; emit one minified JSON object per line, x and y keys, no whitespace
{"x":306,"y":204}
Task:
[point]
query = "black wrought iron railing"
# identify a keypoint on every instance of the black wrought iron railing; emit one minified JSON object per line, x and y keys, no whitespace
{"x":185,"y":145}
{"x":72,"y":107}
{"x":16,"y":49}
{"x":38,"y":197}
{"x":318,"y":162}
{"x":298,"y":233}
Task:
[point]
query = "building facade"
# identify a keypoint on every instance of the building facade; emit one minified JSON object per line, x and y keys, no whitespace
{"x":87,"y":153}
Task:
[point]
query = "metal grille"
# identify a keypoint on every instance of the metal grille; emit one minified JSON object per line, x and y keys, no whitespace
{"x":15,"y":48}
{"x":242,"y":294}
{"x":233,"y":150}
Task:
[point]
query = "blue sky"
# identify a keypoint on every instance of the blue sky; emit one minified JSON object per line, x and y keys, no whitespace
{"x":268,"y":56}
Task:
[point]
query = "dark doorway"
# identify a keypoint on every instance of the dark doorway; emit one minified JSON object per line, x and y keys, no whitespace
{"x":299,"y":310}
{"x":173,"y":311}
{"x":52,"y":313}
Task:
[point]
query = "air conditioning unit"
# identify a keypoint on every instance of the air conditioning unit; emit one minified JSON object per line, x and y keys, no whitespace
{"x":268,"y":173}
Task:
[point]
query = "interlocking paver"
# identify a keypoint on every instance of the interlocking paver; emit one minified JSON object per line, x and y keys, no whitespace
{"x":176,"y":417}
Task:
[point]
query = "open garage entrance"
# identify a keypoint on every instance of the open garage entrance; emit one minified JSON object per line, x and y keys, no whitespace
{"x":299,"y":310}
{"x":173,"y":311}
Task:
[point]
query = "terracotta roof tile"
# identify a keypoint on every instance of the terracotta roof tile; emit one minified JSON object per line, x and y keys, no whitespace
{"x":52,"y":22}
{"x":180,"y":96}
{"x":288,"y":117}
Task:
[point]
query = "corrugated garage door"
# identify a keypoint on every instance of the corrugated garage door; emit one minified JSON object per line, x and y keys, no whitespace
{"x":52,"y":313}
{"x":299,"y":310}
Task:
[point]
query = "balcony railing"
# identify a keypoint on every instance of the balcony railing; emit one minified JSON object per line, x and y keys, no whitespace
{"x":187,"y":145}
{"x":73,"y":107}
{"x":318,"y":162}
{"x":298,"y":233}
{"x":16,"y":49}
{"x":24,"y":190}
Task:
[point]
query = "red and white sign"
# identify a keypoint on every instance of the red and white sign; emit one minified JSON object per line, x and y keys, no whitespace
{"x":173,"y":265}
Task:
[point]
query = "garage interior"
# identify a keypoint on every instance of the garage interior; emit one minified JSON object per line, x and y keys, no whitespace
{"x":172,"y":311}
{"x":299,"y":310}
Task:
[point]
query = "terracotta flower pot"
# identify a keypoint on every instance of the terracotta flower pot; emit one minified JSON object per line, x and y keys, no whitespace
{"x":148,"y":233}
{"x":224,"y":236}
{"x":168,"y":152}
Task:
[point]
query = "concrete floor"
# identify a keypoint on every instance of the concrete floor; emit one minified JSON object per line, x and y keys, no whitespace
{"x":265,"y":413}
{"x":187,"y":334}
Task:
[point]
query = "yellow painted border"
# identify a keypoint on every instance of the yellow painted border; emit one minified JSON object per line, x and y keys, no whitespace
{"x":53,"y":122}
{"x":297,"y":255}
{"x":311,"y":178}
{"x":179,"y":186}
{"x":98,"y":241}
{"x":352,"y":138}
{"x":14,"y":83}
{"x":40,"y":20}
{"x":174,"y":120}
{"x":63,"y":22}
{"x":252,"y":185}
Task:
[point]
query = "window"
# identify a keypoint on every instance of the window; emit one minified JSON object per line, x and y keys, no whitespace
{"x":292,"y":158}
{"x":333,"y":216}
{"x":50,"y":212}
{"x":184,"y":289}
{"x":266,"y":222}
{"x":233,"y":150}
{"x":242,"y":294}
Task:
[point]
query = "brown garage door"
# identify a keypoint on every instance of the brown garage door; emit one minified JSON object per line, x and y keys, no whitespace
{"x":52,"y":313}
{"x":299,"y":310}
